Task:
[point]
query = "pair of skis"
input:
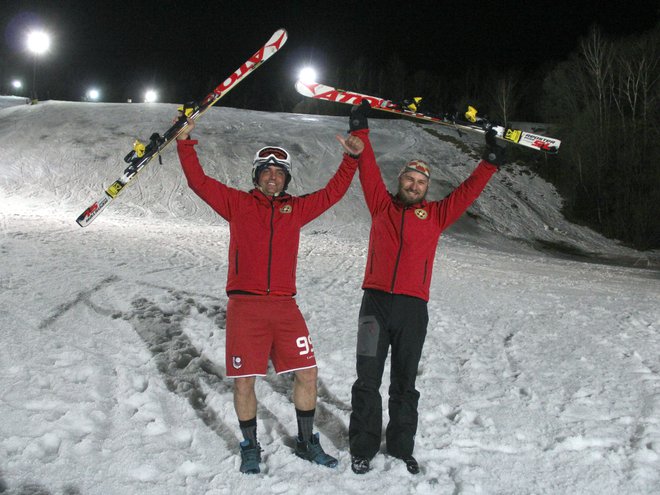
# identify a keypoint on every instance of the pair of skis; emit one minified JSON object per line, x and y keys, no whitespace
{"x":471,"y":123}
{"x":142,"y":154}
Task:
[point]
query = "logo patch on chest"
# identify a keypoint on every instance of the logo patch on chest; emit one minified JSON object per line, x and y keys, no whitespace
{"x":286,"y":209}
{"x":421,"y":214}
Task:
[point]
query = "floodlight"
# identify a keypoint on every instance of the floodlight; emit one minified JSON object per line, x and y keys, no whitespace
{"x":307,"y":75}
{"x":150,"y":96}
{"x":93,"y":94}
{"x":38,"y":42}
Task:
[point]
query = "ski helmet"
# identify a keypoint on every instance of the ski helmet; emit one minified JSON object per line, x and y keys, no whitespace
{"x":271,"y":155}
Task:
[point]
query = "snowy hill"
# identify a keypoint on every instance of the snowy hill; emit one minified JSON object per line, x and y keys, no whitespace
{"x":66,"y":152}
{"x":540,"y":374}
{"x":10,"y":101}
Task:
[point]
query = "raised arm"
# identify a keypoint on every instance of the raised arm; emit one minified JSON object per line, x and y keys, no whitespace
{"x":454,"y":205}
{"x":373,"y":187}
{"x":460,"y":199}
{"x":216,"y":194}
{"x":316,"y":203}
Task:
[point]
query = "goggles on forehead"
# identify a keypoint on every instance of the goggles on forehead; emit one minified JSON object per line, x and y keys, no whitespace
{"x":273,"y":155}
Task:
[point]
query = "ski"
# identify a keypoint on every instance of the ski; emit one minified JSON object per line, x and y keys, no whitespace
{"x":142,"y":154}
{"x":472,"y":123}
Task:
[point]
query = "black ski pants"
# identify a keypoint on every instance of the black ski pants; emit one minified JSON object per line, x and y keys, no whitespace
{"x":396,"y":321}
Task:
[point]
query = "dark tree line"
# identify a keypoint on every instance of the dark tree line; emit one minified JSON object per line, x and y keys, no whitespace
{"x":606,"y":101}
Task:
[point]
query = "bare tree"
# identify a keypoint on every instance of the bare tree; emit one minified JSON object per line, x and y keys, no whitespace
{"x":505,"y":96}
{"x":597,"y":55}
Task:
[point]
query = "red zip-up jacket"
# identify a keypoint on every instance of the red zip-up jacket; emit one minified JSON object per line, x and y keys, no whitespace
{"x":403,"y":239}
{"x":264,"y":230}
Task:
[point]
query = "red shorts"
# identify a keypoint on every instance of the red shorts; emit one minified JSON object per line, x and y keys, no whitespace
{"x":259,"y":327}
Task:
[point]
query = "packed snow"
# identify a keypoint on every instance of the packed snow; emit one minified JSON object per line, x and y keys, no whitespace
{"x":540,"y":373}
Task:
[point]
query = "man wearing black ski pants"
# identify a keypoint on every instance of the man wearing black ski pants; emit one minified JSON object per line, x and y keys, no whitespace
{"x":397,"y":321}
{"x":405,"y":230}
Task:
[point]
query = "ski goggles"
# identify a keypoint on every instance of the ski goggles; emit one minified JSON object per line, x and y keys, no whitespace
{"x":273,"y":155}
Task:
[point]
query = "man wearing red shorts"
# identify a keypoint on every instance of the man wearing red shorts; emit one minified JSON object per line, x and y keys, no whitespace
{"x":263,"y":319}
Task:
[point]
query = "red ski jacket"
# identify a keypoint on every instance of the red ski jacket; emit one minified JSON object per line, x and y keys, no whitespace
{"x":264,"y":230}
{"x":403,"y":239}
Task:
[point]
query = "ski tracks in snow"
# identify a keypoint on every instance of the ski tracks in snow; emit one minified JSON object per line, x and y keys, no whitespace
{"x":183,"y":339}
{"x":644,"y":370}
{"x":574,"y":406}
{"x":559,"y":391}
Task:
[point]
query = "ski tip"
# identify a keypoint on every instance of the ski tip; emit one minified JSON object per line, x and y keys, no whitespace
{"x":305,"y":88}
{"x":88,"y":216}
{"x":278,"y":38}
{"x":83,"y":220}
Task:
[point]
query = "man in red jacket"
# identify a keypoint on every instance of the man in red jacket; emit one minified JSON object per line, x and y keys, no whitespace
{"x":405,"y":230}
{"x":263,"y":319}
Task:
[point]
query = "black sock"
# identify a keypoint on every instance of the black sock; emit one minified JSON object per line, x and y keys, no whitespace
{"x":249,"y":430}
{"x":305,"y":423}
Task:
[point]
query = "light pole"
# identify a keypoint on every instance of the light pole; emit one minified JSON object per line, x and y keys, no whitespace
{"x":38,"y":42}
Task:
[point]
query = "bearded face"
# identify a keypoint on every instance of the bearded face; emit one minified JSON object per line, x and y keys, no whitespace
{"x":412,"y":187}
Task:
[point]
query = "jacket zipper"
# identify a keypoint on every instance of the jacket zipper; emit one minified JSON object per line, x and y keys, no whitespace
{"x":270,"y":242}
{"x":398,"y":255}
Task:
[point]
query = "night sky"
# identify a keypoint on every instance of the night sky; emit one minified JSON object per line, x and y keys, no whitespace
{"x":185,"y":48}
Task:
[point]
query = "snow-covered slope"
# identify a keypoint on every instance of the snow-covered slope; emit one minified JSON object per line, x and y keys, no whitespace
{"x":540,"y":374}
{"x":66,"y":152}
